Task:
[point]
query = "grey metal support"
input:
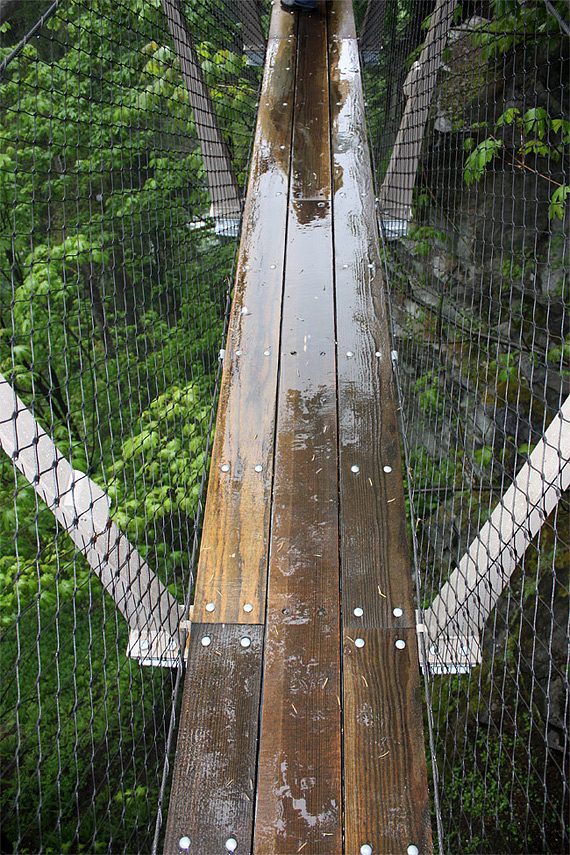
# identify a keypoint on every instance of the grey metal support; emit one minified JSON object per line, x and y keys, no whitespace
{"x":81,"y":507}
{"x":224,"y":191}
{"x":371,"y":39}
{"x":395,"y":198}
{"x":252,"y":33}
{"x":454,"y":622}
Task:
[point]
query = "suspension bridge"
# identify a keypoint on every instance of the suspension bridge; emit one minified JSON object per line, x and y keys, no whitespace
{"x":290,"y":524}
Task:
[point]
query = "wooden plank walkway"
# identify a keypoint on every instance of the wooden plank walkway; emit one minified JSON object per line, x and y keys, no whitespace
{"x":301,"y":726}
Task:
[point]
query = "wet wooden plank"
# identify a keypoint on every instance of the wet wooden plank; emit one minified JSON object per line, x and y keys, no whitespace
{"x":212,"y":793}
{"x":341,"y":19}
{"x":386,"y":794}
{"x":374,"y":551}
{"x":299,"y":772}
{"x":232,"y":568}
{"x":311,"y":147}
{"x":299,"y":783}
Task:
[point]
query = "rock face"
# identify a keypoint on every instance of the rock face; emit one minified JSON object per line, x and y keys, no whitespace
{"x":480,"y":292}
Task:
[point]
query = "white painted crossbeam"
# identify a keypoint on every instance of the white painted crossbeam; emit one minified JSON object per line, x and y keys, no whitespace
{"x":81,"y":507}
{"x":456,"y":618}
{"x":395,"y":197}
{"x":222,"y":185}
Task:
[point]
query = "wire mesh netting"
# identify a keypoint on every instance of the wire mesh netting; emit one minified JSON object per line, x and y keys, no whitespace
{"x":125,"y":134}
{"x":468,"y":117}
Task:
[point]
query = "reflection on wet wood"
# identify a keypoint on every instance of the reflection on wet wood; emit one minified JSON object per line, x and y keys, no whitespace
{"x":232,"y":569}
{"x":311,"y":163}
{"x":299,"y":783}
{"x":374,"y":551}
{"x":299,"y":804}
{"x":386,"y":795}
{"x":214,"y":772}
{"x":305,"y":500}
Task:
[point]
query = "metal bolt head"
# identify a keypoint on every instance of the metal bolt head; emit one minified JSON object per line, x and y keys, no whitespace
{"x":258,"y":467}
{"x":349,"y":353}
{"x":210,"y":607}
{"x":358,"y":612}
{"x":366,"y":849}
{"x":231,"y":844}
{"x":359,"y":642}
{"x":355,"y":469}
{"x":397,"y":612}
{"x":184,"y":844}
{"x":378,"y":354}
{"x":205,"y":641}
{"x":245,"y":642}
{"x":400,"y":644}
{"x":248,"y":607}
{"x":387,"y":469}
{"x":225,"y":467}
{"x":412,"y":850}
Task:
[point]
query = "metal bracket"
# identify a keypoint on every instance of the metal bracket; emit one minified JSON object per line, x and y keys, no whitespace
{"x":453,"y":654}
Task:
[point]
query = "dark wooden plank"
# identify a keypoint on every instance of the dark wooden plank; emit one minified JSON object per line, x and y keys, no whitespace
{"x":386,"y":794}
{"x":374,"y":551}
{"x":311,"y":165}
{"x":232,"y":569}
{"x":299,"y":775}
{"x":341,"y":17}
{"x":212,"y":793}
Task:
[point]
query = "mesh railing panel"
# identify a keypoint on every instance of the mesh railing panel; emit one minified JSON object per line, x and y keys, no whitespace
{"x":115,"y":279}
{"x":478,"y":284}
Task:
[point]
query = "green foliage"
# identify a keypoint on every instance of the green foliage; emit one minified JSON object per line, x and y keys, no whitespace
{"x":538,"y":135}
{"x":424,"y":237}
{"x":483,"y":456}
{"x":513,"y":22}
{"x":557,"y":202}
{"x":113,"y":289}
{"x":427,"y":389}
{"x":479,"y":158}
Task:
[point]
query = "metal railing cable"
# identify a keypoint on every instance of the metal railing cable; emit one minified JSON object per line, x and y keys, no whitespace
{"x":469,"y":126}
{"x":122,"y":165}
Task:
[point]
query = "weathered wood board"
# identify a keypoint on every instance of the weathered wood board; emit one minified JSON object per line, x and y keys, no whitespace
{"x":213,"y":793}
{"x":232,"y":568}
{"x":299,"y":801}
{"x":385,"y":777}
{"x":373,"y":539}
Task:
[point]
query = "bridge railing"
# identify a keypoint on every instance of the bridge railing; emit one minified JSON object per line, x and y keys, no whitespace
{"x":126,"y":129}
{"x":468,"y":122}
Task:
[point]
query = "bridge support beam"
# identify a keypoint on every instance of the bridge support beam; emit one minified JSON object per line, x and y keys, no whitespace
{"x":252,"y":34}
{"x":395,"y":197}
{"x":225,"y":198}
{"x":81,"y":507}
{"x":453,"y":624}
{"x":371,"y":38}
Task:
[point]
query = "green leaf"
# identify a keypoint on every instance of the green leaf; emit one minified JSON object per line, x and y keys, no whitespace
{"x":480,"y":158}
{"x":557,"y":202}
{"x":536,"y":121}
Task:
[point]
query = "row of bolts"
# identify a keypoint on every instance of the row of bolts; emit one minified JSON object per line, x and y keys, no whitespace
{"x":231,"y":845}
{"x":358,"y":611}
